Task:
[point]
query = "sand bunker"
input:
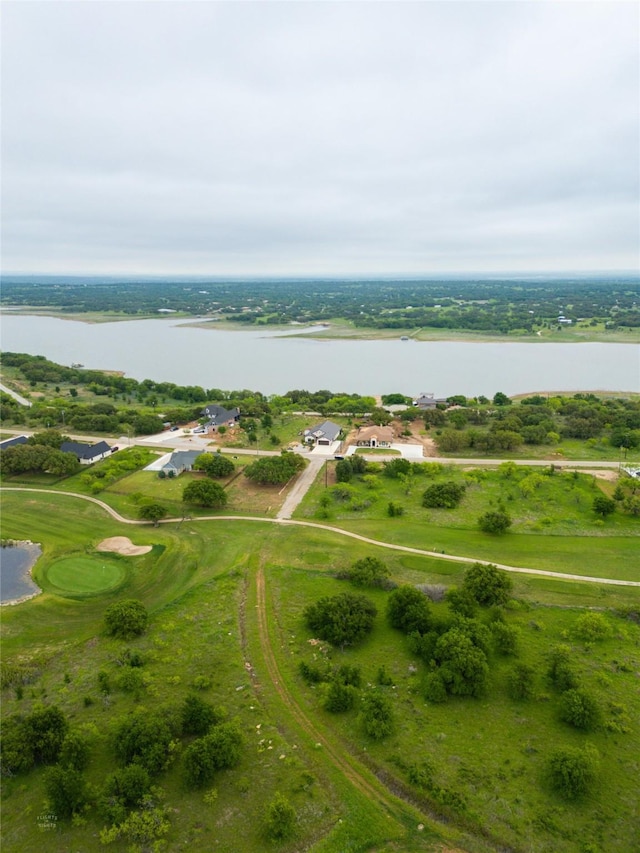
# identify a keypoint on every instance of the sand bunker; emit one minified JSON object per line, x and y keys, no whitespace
{"x":123,"y":545}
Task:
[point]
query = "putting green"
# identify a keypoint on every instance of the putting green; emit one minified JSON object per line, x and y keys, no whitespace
{"x":84,"y":575}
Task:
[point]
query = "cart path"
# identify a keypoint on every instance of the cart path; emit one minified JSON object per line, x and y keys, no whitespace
{"x":289,"y":522}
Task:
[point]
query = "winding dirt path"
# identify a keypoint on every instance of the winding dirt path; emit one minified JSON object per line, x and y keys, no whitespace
{"x":422,"y":552}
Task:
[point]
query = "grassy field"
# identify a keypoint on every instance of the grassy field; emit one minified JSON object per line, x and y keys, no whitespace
{"x":79,"y":576}
{"x":199,"y":583}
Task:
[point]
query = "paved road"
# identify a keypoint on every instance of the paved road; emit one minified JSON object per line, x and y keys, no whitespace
{"x":376,"y":542}
{"x":22,"y":400}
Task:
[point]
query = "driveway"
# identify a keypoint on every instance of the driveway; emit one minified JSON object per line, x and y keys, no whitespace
{"x":301,"y":486}
{"x":407,"y":451}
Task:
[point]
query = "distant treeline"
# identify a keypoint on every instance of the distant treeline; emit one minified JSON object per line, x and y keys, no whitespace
{"x":510,"y":306}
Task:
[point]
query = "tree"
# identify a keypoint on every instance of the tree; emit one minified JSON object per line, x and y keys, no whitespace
{"x":143,"y":738}
{"x":341,"y":620}
{"x":220,"y":749}
{"x":408,"y":610}
{"x":495,"y":522}
{"x":500,"y":399}
{"x":462,"y":602}
{"x":463,"y":665}
{"x":275,"y":470}
{"x":560,"y":671}
{"x":443,"y":495}
{"x":198,"y":716}
{"x":279,"y":818}
{"x":505,"y":638}
{"x":520,"y":681}
{"x":205,"y":493}
{"x":74,"y":751}
{"x":126,"y":619}
{"x":591,"y":627}
{"x":631,"y":504}
{"x":488,"y":584}
{"x":344,"y":471}
{"x":572,"y":771}
{"x":152,"y":512}
{"x":580,"y":709}
{"x":214,"y":465}
{"x":123,"y":790}
{"x":602,"y":505}
{"x":66,"y":791}
{"x":377,"y":715}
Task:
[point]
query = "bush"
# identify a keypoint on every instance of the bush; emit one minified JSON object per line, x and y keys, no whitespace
{"x":591,"y":627}
{"x":560,"y":672}
{"x":342,"y":620}
{"x":275,"y":470}
{"x":216,"y":751}
{"x":126,"y":619}
{"x":280,"y":818}
{"x":520,"y":681}
{"x":151,"y":512}
{"x":368,"y":572}
{"x":580,"y":710}
{"x":603,"y":506}
{"x":340,"y":697}
{"x":122,"y":791}
{"x":377,"y":716}
{"x":199,"y":716}
{"x":408,"y":610}
{"x":443,"y":495}
{"x":505,"y":638}
{"x":573,"y":771}
{"x":435,"y":690}
{"x":214,"y":465}
{"x":463,"y":666}
{"x":144,"y":739}
{"x":74,"y":751}
{"x":495,"y":522}
{"x":66,"y":790}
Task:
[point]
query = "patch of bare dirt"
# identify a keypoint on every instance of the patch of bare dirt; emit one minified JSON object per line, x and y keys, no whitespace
{"x":124,"y":546}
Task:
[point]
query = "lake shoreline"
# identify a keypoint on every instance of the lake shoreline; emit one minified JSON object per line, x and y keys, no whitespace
{"x":335,"y":330}
{"x":26,"y":576}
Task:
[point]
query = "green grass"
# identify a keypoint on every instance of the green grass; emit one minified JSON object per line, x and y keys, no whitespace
{"x":84,"y":575}
{"x":198,"y":583}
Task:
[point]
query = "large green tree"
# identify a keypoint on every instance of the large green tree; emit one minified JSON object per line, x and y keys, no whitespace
{"x":205,"y":493}
{"x":487,"y":584}
{"x":341,"y":620}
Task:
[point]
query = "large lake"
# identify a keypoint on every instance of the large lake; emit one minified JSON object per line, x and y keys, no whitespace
{"x":271,"y":362}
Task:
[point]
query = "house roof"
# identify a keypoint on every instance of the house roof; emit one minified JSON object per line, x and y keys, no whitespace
{"x":182,"y":459}
{"x":11,"y":442}
{"x":220,"y":415}
{"x":426,"y":400}
{"x":380,"y":433}
{"x":327,"y":429}
{"x":85,"y":451}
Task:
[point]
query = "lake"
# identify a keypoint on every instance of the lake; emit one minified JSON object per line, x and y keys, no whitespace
{"x":271,"y":362}
{"x":15,"y":562}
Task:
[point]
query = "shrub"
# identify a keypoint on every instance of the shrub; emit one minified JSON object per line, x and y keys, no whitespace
{"x":74,"y":751}
{"x":340,"y":697}
{"x":505,"y":638}
{"x":580,"y":709}
{"x":377,"y":716}
{"x":368,"y":572}
{"x":463,"y":666}
{"x":214,"y":465}
{"x":220,"y":749}
{"x":443,"y":495}
{"x":205,"y":493}
{"x":126,"y":619}
{"x":572,"y":771}
{"x":145,"y":739}
{"x":520,"y":681}
{"x":66,"y":790}
{"x":560,"y":672}
{"x":591,"y":627}
{"x":603,"y":506}
{"x":123,"y":790}
{"x":198,"y":716}
{"x":341,"y":620}
{"x":495,"y":522}
{"x":435,"y":690}
{"x":279,"y":818}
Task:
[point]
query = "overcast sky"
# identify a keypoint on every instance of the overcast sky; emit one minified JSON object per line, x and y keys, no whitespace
{"x":320,"y":138}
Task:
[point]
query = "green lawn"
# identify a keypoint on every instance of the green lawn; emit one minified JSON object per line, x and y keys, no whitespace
{"x":84,"y":575}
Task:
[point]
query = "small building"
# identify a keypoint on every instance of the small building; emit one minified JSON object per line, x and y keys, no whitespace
{"x":181,"y":460}
{"x":375,"y":436}
{"x":322,"y":434}
{"x":428,"y":401}
{"x":12,"y":442}
{"x":219,"y":416}
{"x":86,"y":454}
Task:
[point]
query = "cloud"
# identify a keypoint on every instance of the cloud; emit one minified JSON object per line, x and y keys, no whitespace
{"x":308,"y":138}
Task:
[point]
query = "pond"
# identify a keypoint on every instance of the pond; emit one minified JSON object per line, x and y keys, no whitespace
{"x":16,"y":562}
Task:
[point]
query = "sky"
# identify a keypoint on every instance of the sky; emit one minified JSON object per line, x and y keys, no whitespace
{"x":320,"y":138}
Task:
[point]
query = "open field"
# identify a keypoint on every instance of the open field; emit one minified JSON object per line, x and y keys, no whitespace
{"x":208,"y":586}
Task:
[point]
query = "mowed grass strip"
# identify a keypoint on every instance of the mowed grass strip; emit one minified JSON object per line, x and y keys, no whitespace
{"x":84,"y":575}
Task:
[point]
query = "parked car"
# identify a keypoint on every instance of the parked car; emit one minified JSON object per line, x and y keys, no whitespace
{"x":199,"y":430}
{"x":174,"y":428}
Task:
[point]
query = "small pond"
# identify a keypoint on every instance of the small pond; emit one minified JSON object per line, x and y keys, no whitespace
{"x":15,"y":580}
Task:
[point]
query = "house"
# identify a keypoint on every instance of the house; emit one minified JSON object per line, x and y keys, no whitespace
{"x":181,"y":460}
{"x":375,"y":436}
{"x":428,"y":401}
{"x":323,"y":434}
{"x":12,"y":442}
{"x":219,"y":416}
{"x":86,"y":454}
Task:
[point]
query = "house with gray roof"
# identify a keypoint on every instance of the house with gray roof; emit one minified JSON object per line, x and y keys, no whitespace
{"x":86,"y":454}
{"x":219,"y":416}
{"x":181,"y":460}
{"x":324,"y":434}
{"x":12,"y":442}
{"x":428,"y":401}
